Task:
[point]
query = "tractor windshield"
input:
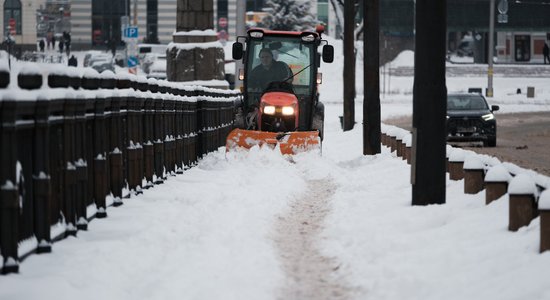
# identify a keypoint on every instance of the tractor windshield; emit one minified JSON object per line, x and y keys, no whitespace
{"x":277,"y":59}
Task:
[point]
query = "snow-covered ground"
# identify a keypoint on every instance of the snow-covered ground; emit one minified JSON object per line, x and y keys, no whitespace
{"x":209,"y":233}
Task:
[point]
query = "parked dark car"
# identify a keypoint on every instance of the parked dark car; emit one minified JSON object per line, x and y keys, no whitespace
{"x":471,"y":119}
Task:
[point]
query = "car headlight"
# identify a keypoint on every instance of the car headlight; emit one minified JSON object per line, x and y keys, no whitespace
{"x":288,"y":110}
{"x":488,"y":117}
{"x":269,"y":110}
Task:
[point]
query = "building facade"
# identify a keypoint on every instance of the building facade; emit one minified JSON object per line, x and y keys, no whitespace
{"x":18,"y":18}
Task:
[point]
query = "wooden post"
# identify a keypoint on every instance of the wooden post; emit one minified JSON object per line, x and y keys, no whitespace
{"x":522,"y":208}
{"x":473,"y":175}
{"x":456,"y":163}
{"x":496,"y":183}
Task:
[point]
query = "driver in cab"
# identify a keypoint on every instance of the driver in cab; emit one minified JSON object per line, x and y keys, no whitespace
{"x":268,"y":70}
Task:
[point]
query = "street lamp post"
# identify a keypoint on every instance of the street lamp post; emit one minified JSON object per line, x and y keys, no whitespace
{"x":489,"y":92}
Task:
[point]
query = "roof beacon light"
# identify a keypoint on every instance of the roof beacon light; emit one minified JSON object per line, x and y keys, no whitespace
{"x":308,"y":38}
{"x":257,"y":34}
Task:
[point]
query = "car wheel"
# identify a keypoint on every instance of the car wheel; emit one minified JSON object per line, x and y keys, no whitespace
{"x":491,"y":142}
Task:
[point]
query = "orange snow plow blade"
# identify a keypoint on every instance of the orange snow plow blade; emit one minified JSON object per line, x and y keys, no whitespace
{"x":289,"y":142}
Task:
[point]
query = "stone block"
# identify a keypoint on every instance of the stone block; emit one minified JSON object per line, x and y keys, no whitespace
{"x":204,"y":20}
{"x":182,"y":5}
{"x":195,"y":5}
{"x":208,"y":5}
{"x":185,"y":65}
{"x":209,"y":60}
{"x":185,"y":21}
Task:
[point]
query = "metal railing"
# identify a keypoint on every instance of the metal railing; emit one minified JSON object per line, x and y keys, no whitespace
{"x":85,"y":141}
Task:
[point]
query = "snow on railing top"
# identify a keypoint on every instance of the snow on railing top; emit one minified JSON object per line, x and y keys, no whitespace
{"x":454,"y":154}
{"x":49,"y":72}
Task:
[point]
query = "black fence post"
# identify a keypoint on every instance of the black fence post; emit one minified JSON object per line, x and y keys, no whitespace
{"x":115,"y":153}
{"x":148,"y":138}
{"x":81,"y":165}
{"x":179,"y":133}
{"x":199,"y":139}
{"x":70,"y":182}
{"x":100,"y":162}
{"x":9,"y":194}
{"x":158,"y":142}
{"x":41,"y":177}
{"x":169,"y":141}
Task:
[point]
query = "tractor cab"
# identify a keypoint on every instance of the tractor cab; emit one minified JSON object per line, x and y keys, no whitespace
{"x":298,"y":51}
{"x":280,"y":79}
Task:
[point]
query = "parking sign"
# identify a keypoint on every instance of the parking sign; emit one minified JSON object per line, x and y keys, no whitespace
{"x":131,"y":32}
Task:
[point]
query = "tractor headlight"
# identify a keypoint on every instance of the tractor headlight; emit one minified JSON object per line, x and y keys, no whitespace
{"x":288,"y":110}
{"x":269,"y":110}
{"x":488,"y":117}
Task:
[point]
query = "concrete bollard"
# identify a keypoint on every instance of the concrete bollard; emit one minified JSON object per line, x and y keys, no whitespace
{"x":544,"y":212}
{"x":496,"y":183}
{"x":522,"y":208}
{"x":456,"y":163}
{"x":473,"y":174}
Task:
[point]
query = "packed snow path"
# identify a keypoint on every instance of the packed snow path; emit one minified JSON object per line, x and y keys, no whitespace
{"x":310,"y":275}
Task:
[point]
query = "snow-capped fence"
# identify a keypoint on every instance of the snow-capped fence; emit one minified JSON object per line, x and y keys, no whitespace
{"x":82,"y":141}
{"x":528,"y":192}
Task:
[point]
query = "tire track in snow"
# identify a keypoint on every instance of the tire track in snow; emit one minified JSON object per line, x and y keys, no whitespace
{"x":309,"y":274}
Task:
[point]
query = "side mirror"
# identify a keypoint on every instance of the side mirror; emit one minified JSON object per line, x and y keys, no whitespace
{"x":328,"y":53}
{"x":495,"y":107}
{"x":237,"y":51}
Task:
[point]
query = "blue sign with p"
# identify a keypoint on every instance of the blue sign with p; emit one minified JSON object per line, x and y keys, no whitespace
{"x":131,"y":32}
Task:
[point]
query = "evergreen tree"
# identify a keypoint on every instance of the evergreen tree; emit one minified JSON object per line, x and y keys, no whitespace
{"x":293,"y":15}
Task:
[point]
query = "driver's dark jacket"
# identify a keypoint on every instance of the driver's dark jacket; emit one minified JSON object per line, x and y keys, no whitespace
{"x":260,"y":77}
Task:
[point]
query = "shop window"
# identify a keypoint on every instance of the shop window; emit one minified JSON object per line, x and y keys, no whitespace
{"x":522,"y":47}
{"x":12,"y":15}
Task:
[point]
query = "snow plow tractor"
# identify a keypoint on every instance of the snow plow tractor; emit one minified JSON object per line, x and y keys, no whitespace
{"x":280,"y":107}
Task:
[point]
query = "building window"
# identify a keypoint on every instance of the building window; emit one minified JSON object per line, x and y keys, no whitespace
{"x":106,"y":21}
{"x":523,"y":47}
{"x":12,"y":15}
